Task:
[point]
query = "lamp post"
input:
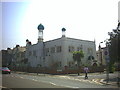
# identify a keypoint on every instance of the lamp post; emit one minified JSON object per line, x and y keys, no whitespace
{"x":100,"y":52}
{"x":107,"y":61}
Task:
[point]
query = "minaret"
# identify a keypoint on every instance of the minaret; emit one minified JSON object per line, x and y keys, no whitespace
{"x":40,"y":33}
{"x":63,"y":32}
{"x":28,"y":43}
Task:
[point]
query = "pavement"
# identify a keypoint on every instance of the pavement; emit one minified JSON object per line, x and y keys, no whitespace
{"x":99,"y":78}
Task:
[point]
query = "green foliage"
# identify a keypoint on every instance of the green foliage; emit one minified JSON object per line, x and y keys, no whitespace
{"x":111,"y":68}
{"x":113,"y":50}
{"x":114,"y":47}
{"x":77,"y":56}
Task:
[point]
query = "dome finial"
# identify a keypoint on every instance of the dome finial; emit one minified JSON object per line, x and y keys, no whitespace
{"x":40,"y":27}
{"x":63,"y":29}
{"x":63,"y":32}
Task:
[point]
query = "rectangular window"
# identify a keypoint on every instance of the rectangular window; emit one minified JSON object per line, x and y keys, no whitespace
{"x":59,"y":64}
{"x":17,"y":55}
{"x":70,"y":48}
{"x":79,"y":48}
{"x":46,"y":51}
{"x":59,"y":49}
{"x":34,"y":53}
{"x":22,"y":54}
{"x":71,"y":64}
{"x":53,"y":50}
{"x":90,"y":51}
{"x":30,"y":53}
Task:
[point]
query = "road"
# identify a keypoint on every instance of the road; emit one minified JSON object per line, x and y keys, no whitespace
{"x":45,"y":81}
{"x":16,"y":81}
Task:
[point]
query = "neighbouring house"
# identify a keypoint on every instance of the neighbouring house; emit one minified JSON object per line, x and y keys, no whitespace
{"x":18,"y":56}
{"x":101,"y":56}
{"x":6,"y":57}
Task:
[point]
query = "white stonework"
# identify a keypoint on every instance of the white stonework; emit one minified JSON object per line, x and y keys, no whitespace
{"x":34,"y":54}
{"x":58,"y":53}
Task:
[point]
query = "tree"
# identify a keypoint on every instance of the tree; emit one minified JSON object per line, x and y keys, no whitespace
{"x":77,"y":56}
{"x":114,"y":47}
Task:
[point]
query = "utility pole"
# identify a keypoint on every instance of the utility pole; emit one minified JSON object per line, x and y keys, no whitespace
{"x":100,"y":51}
{"x":107,"y":61}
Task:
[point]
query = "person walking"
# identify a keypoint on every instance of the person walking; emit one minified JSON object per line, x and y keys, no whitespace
{"x":86,"y":71}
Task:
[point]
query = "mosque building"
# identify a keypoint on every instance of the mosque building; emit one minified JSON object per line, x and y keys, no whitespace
{"x":57,"y":53}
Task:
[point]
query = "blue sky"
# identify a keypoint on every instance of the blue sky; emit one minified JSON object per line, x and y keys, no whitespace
{"x":83,"y":19}
{"x":12,"y":14}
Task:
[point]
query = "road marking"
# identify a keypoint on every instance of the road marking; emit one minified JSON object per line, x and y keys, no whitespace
{"x":90,"y":81}
{"x":96,"y":81}
{"x":52,"y":83}
{"x":2,"y":87}
{"x":69,"y":86}
{"x":63,"y":85}
{"x":101,"y":80}
{"x":21,"y":77}
{"x":5,"y":87}
{"x":34,"y":80}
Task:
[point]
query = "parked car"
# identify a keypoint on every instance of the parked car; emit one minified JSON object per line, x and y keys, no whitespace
{"x":5,"y":70}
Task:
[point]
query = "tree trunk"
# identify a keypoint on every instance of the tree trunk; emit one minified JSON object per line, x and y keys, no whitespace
{"x":78,"y":63}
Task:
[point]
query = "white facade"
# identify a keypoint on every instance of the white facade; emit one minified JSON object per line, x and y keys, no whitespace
{"x":58,"y":53}
{"x":34,"y":54}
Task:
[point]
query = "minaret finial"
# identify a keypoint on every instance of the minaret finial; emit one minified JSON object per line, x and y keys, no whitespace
{"x":63,"y":32}
{"x":40,"y":32}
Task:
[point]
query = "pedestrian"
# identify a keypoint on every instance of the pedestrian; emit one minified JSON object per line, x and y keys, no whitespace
{"x":86,"y":71}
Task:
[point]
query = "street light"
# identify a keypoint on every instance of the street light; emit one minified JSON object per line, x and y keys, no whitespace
{"x":107,"y":60}
{"x":100,"y":52}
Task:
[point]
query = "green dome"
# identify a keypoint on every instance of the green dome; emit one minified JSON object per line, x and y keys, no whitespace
{"x":63,"y":29}
{"x":40,"y":27}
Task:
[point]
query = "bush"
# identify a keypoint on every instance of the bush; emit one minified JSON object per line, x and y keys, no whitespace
{"x":111,"y":68}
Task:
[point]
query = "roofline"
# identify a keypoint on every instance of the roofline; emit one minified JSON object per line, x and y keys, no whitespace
{"x":53,"y":40}
{"x":79,"y":39}
{"x":68,"y":38}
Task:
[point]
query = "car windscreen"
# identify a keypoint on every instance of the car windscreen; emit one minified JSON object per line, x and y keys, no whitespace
{"x":5,"y":68}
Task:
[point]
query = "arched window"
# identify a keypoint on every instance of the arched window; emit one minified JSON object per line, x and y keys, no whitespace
{"x":91,"y":58}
